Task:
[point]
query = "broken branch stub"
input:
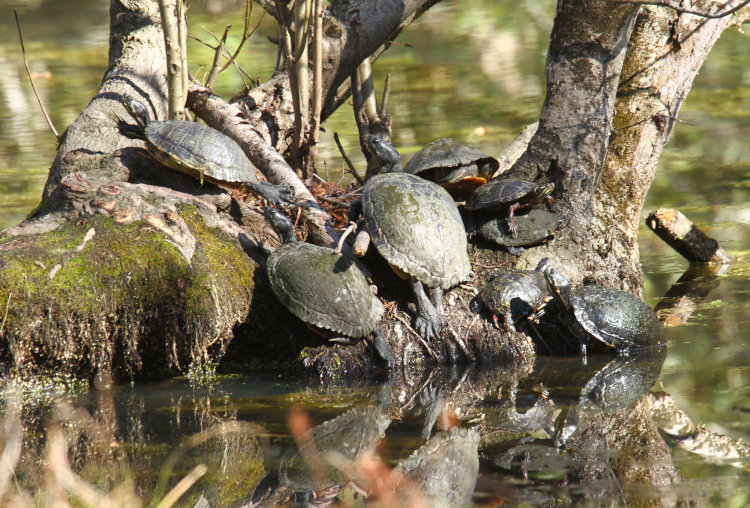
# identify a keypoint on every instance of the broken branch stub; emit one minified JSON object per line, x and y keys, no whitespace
{"x":683,"y":236}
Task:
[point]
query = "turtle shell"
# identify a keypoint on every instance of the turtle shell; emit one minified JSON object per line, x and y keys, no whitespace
{"x":324,"y":289}
{"x":518,"y":293}
{"x":417,"y":228}
{"x":616,"y":318}
{"x":454,"y":164}
{"x":534,"y":228}
{"x":501,"y":193}
{"x":199,"y":151}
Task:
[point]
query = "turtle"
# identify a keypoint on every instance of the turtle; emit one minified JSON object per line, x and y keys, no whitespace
{"x":611,"y":316}
{"x":416,"y":226}
{"x":458,"y":166}
{"x":324,"y":289}
{"x":514,"y":295}
{"x":200,"y":151}
{"x":509,"y":194}
{"x":534,"y":228}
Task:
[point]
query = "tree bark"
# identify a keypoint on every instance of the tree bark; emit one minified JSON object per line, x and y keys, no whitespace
{"x":612,"y":101}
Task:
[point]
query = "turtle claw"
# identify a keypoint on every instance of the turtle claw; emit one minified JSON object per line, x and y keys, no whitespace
{"x":427,"y":327}
{"x":282,"y":195}
{"x":279,"y":195}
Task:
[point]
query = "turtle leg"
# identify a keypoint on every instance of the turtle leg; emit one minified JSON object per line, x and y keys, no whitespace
{"x":582,"y":341}
{"x":437,"y":299}
{"x":511,"y":219}
{"x":277,"y":195}
{"x":428,"y":321}
{"x":381,"y":346}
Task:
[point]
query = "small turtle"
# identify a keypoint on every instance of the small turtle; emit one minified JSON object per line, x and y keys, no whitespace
{"x":323,"y":288}
{"x":509,"y":194}
{"x":611,"y":316}
{"x":458,"y":166}
{"x":415,"y":225}
{"x":534,"y":228}
{"x":200,"y":151}
{"x":515,"y":295}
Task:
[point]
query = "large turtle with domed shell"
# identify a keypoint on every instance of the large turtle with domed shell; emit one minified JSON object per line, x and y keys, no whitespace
{"x":416,"y":226}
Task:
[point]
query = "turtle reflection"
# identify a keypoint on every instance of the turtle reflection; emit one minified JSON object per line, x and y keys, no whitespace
{"x":444,"y":470}
{"x":619,"y":384}
{"x":308,"y":474}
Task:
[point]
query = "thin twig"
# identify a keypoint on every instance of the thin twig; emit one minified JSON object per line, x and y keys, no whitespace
{"x":386,"y":97}
{"x":215,"y":67}
{"x":348,"y":231}
{"x":346,"y":159}
{"x":28,"y":73}
{"x":682,"y":10}
{"x":419,"y":337}
{"x":333,"y":201}
{"x":182,"y":36}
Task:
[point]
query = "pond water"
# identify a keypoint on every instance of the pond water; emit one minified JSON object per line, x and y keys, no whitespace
{"x":472,"y":72}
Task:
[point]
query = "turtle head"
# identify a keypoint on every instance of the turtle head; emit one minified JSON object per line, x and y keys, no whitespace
{"x":562,"y":222}
{"x":557,"y":284}
{"x":543,"y":190}
{"x":137,"y":110}
{"x":387,"y":157}
{"x":281,"y":224}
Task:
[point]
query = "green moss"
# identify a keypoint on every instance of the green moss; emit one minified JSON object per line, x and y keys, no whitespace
{"x":126,"y":297}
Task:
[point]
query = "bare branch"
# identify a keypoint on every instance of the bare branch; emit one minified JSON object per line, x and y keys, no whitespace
{"x":317,"y":99}
{"x":215,"y":67}
{"x":174,"y":59}
{"x":681,"y":10}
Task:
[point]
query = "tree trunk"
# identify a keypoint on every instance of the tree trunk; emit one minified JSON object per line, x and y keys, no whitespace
{"x":612,"y":101}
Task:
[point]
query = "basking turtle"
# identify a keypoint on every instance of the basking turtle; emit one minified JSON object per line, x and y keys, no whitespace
{"x":200,"y":151}
{"x":611,"y":316}
{"x":515,"y":295}
{"x":509,"y":194}
{"x":416,"y":227}
{"x":458,"y":166}
{"x":534,"y":228}
{"x":323,"y":288}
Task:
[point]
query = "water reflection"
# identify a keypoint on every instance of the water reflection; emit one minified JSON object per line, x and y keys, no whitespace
{"x":425,"y":436}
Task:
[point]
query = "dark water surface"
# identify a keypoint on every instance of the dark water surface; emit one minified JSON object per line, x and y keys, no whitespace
{"x":474,"y":71}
